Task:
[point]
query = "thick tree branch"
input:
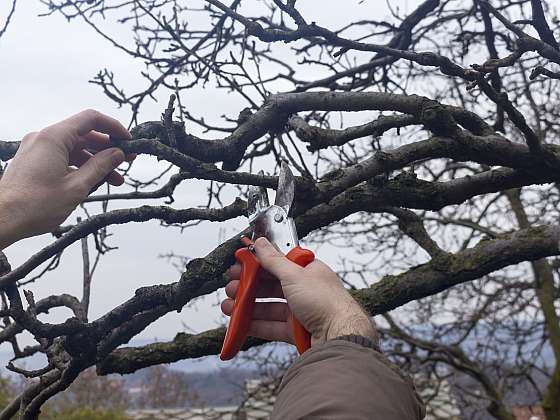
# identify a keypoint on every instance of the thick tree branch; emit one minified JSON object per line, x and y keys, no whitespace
{"x":139,"y":214}
{"x":183,"y":346}
{"x":389,"y":293}
{"x":321,"y":138}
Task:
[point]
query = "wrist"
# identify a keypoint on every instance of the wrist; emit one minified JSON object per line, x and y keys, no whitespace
{"x":354,"y":321}
{"x":361,"y":340}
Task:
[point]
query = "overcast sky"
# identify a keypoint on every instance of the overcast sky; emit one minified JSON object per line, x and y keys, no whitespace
{"x":45,"y":65}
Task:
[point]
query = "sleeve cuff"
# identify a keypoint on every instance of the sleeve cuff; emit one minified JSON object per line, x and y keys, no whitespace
{"x":361,"y":340}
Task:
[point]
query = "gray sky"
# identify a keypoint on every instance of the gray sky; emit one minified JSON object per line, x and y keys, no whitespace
{"x":45,"y":64}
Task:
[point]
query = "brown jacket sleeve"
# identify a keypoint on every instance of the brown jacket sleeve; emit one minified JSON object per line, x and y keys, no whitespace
{"x":346,"y":381}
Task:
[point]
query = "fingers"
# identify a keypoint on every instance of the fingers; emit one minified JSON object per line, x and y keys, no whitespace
{"x":99,"y":141}
{"x":276,"y":263}
{"x":271,"y":330}
{"x":234,"y":272}
{"x":72,"y":132}
{"x":97,"y":168}
{"x":96,"y":141}
{"x":269,"y":320}
{"x":271,"y":289}
{"x":269,"y":286}
{"x":264,"y":311}
{"x":88,"y":120}
{"x":80,"y":157}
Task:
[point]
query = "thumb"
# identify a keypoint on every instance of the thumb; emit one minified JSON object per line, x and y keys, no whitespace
{"x":99,"y":166}
{"x":276,"y":263}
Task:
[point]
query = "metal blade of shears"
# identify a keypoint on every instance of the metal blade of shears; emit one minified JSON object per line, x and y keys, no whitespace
{"x":286,"y":188}
{"x":257,"y":201}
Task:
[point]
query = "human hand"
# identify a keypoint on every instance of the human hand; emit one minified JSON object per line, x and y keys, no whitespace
{"x":54,"y":170}
{"x":314,"y":294}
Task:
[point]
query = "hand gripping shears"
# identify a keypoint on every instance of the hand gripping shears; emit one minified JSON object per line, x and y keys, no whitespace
{"x":275,"y":224}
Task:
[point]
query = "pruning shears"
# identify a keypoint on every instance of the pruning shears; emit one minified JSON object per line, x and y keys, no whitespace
{"x":274,"y":223}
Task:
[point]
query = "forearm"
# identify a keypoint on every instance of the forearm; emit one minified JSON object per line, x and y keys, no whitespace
{"x":341,"y":379}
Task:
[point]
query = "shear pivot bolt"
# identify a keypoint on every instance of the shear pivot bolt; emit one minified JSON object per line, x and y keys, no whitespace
{"x":278,"y":217}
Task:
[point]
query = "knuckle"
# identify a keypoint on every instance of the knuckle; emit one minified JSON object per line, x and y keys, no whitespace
{"x":60,"y":133}
{"x":91,"y":113}
{"x":29,"y":137}
{"x":46,"y":132}
{"x":53,"y":131}
{"x":45,"y":135}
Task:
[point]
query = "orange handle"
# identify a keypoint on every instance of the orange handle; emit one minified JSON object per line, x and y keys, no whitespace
{"x":244,"y":303}
{"x":242,"y":314}
{"x":301,"y":257}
